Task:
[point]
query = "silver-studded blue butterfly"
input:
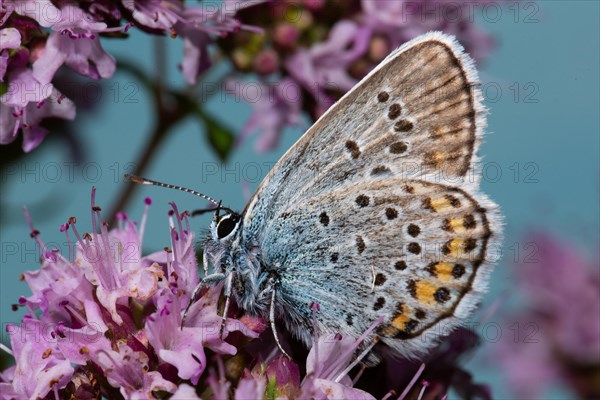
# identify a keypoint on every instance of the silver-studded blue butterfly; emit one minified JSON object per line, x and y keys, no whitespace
{"x":375,"y":211}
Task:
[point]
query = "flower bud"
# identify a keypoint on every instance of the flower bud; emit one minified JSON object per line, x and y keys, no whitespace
{"x":286,"y":35}
{"x":266,"y":62}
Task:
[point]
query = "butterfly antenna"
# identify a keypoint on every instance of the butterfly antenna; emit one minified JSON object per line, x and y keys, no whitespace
{"x":145,"y":181}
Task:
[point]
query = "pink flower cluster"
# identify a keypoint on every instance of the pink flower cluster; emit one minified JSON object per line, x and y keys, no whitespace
{"x":323,"y":48}
{"x":109,"y":311}
{"x":556,"y":335}
{"x":37,"y":37}
{"x":105,"y":320}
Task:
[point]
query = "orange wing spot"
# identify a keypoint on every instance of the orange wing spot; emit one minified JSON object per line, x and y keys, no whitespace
{"x":434,"y":158}
{"x":389,"y":331}
{"x":458,"y":225}
{"x":444,"y":270}
{"x":398,"y":324}
{"x":424,"y":291}
{"x":440,"y":204}
{"x":455,"y":248}
{"x":443,"y":203}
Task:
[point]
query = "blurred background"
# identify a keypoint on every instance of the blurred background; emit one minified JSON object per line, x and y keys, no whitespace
{"x":538,"y":63}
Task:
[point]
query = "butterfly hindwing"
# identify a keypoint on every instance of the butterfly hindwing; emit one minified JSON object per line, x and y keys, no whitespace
{"x":410,"y":250}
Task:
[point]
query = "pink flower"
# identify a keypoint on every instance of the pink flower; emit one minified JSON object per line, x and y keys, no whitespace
{"x":195,"y":52}
{"x":74,"y":42}
{"x":26,"y":103}
{"x":400,"y":21}
{"x":40,"y":366}
{"x":196,"y":24}
{"x":112,"y":308}
{"x":42,"y":11}
{"x":155,"y":14}
{"x":183,"y":346}
{"x":564,"y":290}
{"x":112,"y":262}
{"x":10,"y":38}
{"x":275,"y":106}
{"x":324,"y":66}
{"x":559,"y":331}
{"x":128,"y":371}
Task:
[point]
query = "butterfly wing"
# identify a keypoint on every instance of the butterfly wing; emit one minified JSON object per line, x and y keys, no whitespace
{"x":413,"y":251}
{"x":414,"y":122}
{"x":418,"y":112}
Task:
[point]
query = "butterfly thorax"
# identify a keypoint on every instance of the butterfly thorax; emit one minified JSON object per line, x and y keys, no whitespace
{"x":242,"y":260}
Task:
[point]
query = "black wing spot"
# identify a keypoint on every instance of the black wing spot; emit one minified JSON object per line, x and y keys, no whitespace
{"x":380,"y":170}
{"x":379,"y":304}
{"x":442,"y":295}
{"x":413,"y":230}
{"x":382,"y":97}
{"x":380,"y":279}
{"x":352,"y":147}
{"x":400,"y":265}
{"x":398,"y":147}
{"x":394,"y":111}
{"x":362,"y":200}
{"x":403,"y":126}
{"x":324,"y":218}
{"x":360,"y":244}
{"x":458,"y":271}
{"x":414,"y":248}
{"x":391,"y":213}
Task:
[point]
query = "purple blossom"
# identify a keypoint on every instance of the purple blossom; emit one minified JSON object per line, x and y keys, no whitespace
{"x":74,"y":42}
{"x":183,"y":346}
{"x":40,"y":366}
{"x":560,"y":330}
{"x":42,"y":11}
{"x":250,"y":388}
{"x":87,"y":314}
{"x":185,"y":392}
{"x":113,"y":263}
{"x":195,"y":26}
{"x":561,"y":273}
{"x":195,"y":52}
{"x":26,"y":103}
{"x":275,"y":107}
{"x":400,"y":21}
{"x":325,"y":65}
{"x":328,"y":363}
{"x":10,"y":38}
{"x":128,"y":370}
{"x":155,"y":14}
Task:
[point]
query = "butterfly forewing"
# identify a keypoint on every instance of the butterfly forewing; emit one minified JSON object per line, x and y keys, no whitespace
{"x":370,"y":212}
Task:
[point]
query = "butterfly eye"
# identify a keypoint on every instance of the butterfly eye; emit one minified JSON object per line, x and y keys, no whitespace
{"x":226,"y":225}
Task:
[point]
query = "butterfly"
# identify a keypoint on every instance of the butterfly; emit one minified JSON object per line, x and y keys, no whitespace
{"x":374,"y":213}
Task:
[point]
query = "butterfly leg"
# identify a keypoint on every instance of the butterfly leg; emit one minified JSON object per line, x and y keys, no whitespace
{"x":208,"y":280}
{"x":205,"y":263}
{"x":272,"y":321}
{"x":228,"y":284}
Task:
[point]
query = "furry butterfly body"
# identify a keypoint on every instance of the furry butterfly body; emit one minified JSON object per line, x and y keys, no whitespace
{"x":374,"y":212}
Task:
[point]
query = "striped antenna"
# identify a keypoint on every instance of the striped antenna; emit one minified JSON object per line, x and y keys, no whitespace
{"x":144,"y":181}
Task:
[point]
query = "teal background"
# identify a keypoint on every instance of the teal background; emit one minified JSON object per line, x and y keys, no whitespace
{"x":548,"y":131}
